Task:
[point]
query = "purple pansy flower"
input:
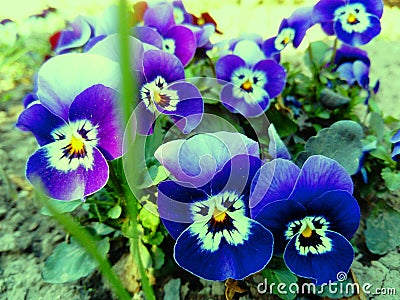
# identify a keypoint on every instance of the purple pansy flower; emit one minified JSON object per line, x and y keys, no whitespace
{"x":250,"y":81}
{"x":85,"y":32}
{"x":311,"y":213}
{"x":202,"y":34}
{"x":180,"y":13}
{"x":162,"y":90}
{"x":355,"y":22}
{"x":161,"y":31}
{"x":77,"y":124}
{"x":215,"y":238}
{"x":292,"y":30}
{"x":161,"y":85}
{"x":75,"y":36}
{"x":202,"y":31}
{"x":396,"y":149}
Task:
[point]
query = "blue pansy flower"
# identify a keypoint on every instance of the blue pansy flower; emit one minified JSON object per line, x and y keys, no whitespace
{"x":353,"y":65}
{"x":76,"y":123}
{"x":311,"y":213}
{"x":355,"y":22}
{"x":215,"y":237}
{"x":161,"y":31}
{"x":250,"y":81}
{"x":396,"y":149}
{"x":292,"y":30}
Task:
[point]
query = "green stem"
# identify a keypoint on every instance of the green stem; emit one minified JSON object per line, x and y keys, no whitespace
{"x":87,"y":242}
{"x":335,"y":45}
{"x":212,"y":66}
{"x":96,"y":208}
{"x":134,"y":245}
{"x":128,"y":100}
{"x":315,"y":73}
{"x":130,"y":203}
{"x":109,"y":203}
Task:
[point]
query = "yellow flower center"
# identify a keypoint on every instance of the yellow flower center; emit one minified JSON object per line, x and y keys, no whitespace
{"x":307,"y":232}
{"x":76,"y":146}
{"x":219,"y":216}
{"x":351,"y":19}
{"x":201,"y":22}
{"x":286,"y":40}
{"x":246,"y":85}
{"x":157,"y":97}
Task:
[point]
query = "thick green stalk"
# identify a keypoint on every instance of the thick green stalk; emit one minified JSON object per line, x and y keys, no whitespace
{"x":335,"y":45}
{"x":87,"y":242}
{"x":128,"y":99}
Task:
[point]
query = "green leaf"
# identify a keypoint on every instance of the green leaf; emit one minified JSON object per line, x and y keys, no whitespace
{"x":390,"y":120}
{"x":381,"y":153}
{"x":376,"y":125}
{"x":216,"y":119}
{"x":102,"y":229}
{"x":332,"y":100}
{"x":61,"y":206}
{"x":382,"y":222}
{"x":69,"y":262}
{"x":114,"y":212}
{"x":280,"y":275}
{"x":392,"y":179}
{"x":209,"y":88}
{"x":284,"y":125}
{"x":341,"y":142}
{"x":149,"y":216}
{"x":158,"y":257}
{"x":145,"y":256}
{"x":152,"y":142}
{"x":154,"y":238}
{"x":318,"y":57}
{"x":155,"y":174}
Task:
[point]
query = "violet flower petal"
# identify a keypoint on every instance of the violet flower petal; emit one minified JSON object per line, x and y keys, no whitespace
{"x":274,"y":181}
{"x":319,"y":175}
{"x":99,"y":105}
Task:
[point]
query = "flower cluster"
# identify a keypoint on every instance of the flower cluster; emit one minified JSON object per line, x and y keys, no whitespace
{"x":230,"y":202}
{"x":310,"y":212}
